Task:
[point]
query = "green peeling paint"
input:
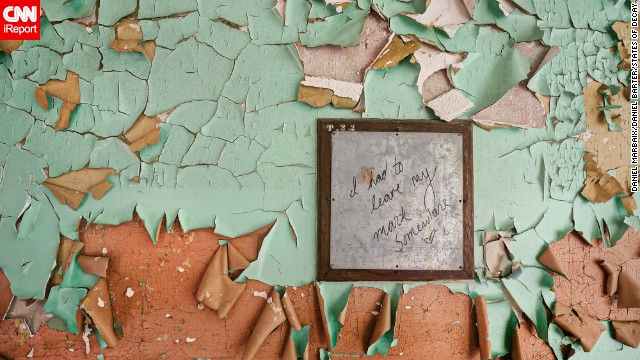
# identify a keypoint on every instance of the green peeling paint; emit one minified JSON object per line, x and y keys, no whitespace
{"x":12,"y":132}
{"x":111,"y":11}
{"x":605,"y":347}
{"x":64,"y":303}
{"x":495,"y":59}
{"x":57,"y":323}
{"x":590,"y":219}
{"x":324,"y":354}
{"x":336,"y":296}
{"x":502,"y":323}
{"x":300,"y":339}
{"x":248,"y":84}
{"x":50,"y":144}
{"x":72,"y":9}
{"x":224,"y":39}
{"x":526,"y":287}
{"x":74,"y":277}
{"x":177,"y":76}
{"x":390,"y":8}
{"x":237,"y":12}
{"x":521,"y":27}
{"x":341,"y":29}
{"x":237,"y":151}
{"x":29,"y":253}
{"x":103,"y":344}
{"x":398,"y":97}
{"x":167,"y":33}
{"x":160,"y":8}
{"x":38,"y":64}
{"x":402,"y":25}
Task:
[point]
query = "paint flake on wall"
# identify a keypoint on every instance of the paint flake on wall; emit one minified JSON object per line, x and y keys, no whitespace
{"x":199,"y":118}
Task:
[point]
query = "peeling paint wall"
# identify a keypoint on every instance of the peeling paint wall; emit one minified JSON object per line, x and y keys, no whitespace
{"x":190,"y":125}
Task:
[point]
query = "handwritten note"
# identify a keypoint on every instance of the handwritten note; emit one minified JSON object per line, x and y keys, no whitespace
{"x":396,"y":201}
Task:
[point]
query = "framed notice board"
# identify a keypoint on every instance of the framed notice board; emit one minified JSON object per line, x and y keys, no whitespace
{"x":395,"y":200}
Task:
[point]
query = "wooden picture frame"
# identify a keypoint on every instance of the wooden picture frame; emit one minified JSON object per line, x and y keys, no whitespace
{"x":325,"y":128}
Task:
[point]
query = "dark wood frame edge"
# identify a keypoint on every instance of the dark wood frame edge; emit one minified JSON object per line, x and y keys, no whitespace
{"x":325,"y":272}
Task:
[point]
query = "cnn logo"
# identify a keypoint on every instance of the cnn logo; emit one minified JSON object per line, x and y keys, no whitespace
{"x":20,"y":20}
{"x":14,"y":14}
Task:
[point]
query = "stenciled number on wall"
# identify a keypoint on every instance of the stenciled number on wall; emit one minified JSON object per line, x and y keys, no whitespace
{"x":340,"y":127}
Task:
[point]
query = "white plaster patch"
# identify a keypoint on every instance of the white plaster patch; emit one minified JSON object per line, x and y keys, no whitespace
{"x":340,"y":88}
{"x":585,"y":136}
{"x":432,"y":60}
{"x":444,"y":14}
{"x":85,"y":338}
{"x":262,"y":294}
{"x":450,"y":105}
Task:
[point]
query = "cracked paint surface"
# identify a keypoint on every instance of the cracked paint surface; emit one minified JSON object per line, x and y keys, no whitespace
{"x":193,"y":111}
{"x":162,"y":308}
{"x":583,"y":286}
